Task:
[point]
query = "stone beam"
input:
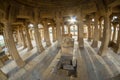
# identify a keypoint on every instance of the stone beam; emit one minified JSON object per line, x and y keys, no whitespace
{"x":115,"y":3}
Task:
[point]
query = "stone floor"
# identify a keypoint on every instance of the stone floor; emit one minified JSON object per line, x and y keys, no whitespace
{"x":90,"y":66}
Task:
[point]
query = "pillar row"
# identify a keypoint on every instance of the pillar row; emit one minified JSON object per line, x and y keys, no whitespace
{"x":11,"y":45}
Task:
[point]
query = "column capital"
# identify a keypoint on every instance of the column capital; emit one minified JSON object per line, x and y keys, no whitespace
{"x":108,"y":11}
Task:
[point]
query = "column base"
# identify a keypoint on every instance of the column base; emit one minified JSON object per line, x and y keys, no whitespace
{"x":103,"y":51}
{"x":20,"y":63}
{"x":41,"y":49}
{"x":48,"y":44}
{"x":94,"y":44}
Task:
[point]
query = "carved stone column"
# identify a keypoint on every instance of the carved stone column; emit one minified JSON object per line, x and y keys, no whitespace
{"x":29,"y":43}
{"x":19,"y":36}
{"x":68,"y":29}
{"x":80,"y":32}
{"x":15,"y":37}
{"x":11,"y":45}
{"x":115,"y":32}
{"x":110,"y":30}
{"x":58,"y":29}
{"x":36,"y":31}
{"x":23,"y":38}
{"x":38,"y":39}
{"x":106,"y":34}
{"x":46,"y":30}
{"x":53,"y":33}
{"x":74,"y":30}
{"x":80,"y":29}
{"x":31,"y":34}
{"x":89,"y":30}
{"x":100,"y":30}
{"x":63,"y":29}
{"x":96,"y":33}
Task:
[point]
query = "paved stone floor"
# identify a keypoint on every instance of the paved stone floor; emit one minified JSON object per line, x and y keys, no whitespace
{"x":90,"y":66}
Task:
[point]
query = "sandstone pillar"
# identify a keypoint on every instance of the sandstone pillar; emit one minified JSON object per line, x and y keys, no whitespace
{"x":47,"y":35}
{"x":31,"y":34}
{"x":19,"y":37}
{"x":114,"y":32}
{"x":58,"y":29}
{"x":15,"y":37}
{"x":68,"y":29}
{"x":106,"y":34}
{"x":74,"y":30}
{"x":63,"y":29}
{"x":29,"y":43}
{"x":23,"y":38}
{"x":100,"y":30}
{"x":80,"y":32}
{"x":53,"y":33}
{"x":89,"y":30}
{"x":11,"y":45}
{"x":110,"y":30}
{"x":92,"y":30}
{"x":38,"y":39}
{"x":96,"y":33}
{"x":44,"y":33}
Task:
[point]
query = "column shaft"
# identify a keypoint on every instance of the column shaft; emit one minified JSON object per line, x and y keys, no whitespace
{"x":53,"y":33}
{"x":23,"y":38}
{"x":96,"y":33}
{"x":68,"y":29}
{"x":89,"y":31}
{"x":29,"y":44}
{"x":38,"y":39}
{"x":58,"y":33}
{"x":114,"y":33}
{"x":19,"y":37}
{"x":106,"y":33}
{"x":47,"y":35}
{"x":80,"y":34}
